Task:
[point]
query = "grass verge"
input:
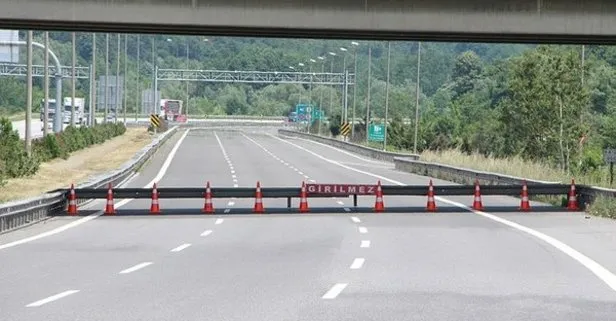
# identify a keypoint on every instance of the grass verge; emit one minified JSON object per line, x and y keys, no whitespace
{"x":603,"y":206}
{"x":81,"y":165}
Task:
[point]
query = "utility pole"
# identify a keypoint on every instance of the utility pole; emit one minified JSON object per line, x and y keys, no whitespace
{"x":138,"y":100}
{"x":125,"y":73}
{"x":73,"y":81}
{"x":106,"y":77}
{"x":117,"y":82}
{"x":29,"y":97}
{"x":46,"y":85}
{"x":417,"y":98}
{"x":93,"y":101}
{"x":368,"y":94}
{"x":387,"y":94}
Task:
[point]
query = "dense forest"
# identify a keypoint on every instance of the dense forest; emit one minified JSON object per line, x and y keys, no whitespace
{"x":548,"y":103}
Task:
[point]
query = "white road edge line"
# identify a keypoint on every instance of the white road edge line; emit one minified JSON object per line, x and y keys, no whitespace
{"x":181,"y":247}
{"x":357,"y":263}
{"x":335,"y":291}
{"x":135,"y":268}
{"x":355,"y":219}
{"x":161,"y":173}
{"x":365,"y":244}
{"x":206,"y":233}
{"x":227,"y":210}
{"x":363,"y":230}
{"x":51,"y":298}
{"x":600,"y":271}
{"x":219,"y":221}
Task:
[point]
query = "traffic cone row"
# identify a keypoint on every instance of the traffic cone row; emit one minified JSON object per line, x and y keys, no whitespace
{"x":379,"y":206}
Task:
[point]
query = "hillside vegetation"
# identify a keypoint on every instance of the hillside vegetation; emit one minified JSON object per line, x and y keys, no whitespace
{"x":534,"y":103}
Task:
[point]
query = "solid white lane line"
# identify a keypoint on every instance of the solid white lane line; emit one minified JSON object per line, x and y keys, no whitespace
{"x":206,"y":233}
{"x":121,"y":203}
{"x":600,"y":271}
{"x":335,"y":291}
{"x":363,"y":230}
{"x":136,"y":267}
{"x":51,"y":298}
{"x":358,"y":263}
{"x":231,"y":203}
{"x":365,"y":244}
{"x":227,"y":210}
{"x":355,"y":219}
{"x":219,"y":221}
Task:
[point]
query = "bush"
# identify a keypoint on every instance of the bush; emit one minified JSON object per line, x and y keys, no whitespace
{"x":603,"y":206}
{"x":14,"y":161}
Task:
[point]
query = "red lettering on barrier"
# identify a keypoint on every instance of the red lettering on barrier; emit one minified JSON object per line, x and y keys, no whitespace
{"x":340,"y":189}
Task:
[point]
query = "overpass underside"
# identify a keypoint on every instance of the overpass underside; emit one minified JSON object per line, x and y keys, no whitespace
{"x":561,"y":21}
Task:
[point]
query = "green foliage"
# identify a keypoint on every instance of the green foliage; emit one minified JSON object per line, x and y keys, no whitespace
{"x":603,"y":206}
{"x":14,"y":161}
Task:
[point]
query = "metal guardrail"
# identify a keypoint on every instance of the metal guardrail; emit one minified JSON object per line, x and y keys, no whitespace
{"x":358,"y":149}
{"x":295,"y":192}
{"x":586,"y":194}
{"x":24,"y":212}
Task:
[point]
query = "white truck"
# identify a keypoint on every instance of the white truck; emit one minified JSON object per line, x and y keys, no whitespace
{"x":80,"y":105}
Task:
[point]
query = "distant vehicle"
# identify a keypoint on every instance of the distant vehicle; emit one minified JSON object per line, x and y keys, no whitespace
{"x":170,"y":109}
{"x":51,"y":109}
{"x":80,"y":104}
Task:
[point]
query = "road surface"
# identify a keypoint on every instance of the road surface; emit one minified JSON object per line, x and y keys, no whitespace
{"x":337,"y":265}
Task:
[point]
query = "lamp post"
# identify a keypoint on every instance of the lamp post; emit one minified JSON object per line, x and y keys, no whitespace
{"x":343,"y":104}
{"x":321,"y":94}
{"x":387,"y":93}
{"x":106,"y":76}
{"x":368,"y":94}
{"x":417,"y":98}
{"x":331,"y":92}
{"x":355,"y":44}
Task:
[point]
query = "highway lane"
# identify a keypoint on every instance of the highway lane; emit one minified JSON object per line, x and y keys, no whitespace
{"x":445,"y":266}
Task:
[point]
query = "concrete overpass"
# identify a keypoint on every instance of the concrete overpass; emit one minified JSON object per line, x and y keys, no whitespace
{"x":563,"y":21}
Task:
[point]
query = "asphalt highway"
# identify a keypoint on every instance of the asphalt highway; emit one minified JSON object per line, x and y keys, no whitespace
{"x":332,"y":264}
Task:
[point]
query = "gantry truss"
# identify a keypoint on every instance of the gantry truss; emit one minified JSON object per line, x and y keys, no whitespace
{"x":8,"y":69}
{"x":262,"y":77}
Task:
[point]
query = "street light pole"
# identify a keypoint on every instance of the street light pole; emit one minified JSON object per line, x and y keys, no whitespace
{"x":343,"y":104}
{"x":368,"y":94}
{"x":187,"y":82}
{"x":29,"y":96}
{"x":331,"y":92}
{"x":321,"y":96}
{"x":106,"y":77}
{"x":117,"y":80}
{"x":46,"y":85}
{"x":354,"y":87}
{"x":93,"y":101}
{"x":417,"y":98}
{"x":138,"y":93}
{"x":73,"y":81}
{"x":124,"y":85}
{"x":387,"y":93}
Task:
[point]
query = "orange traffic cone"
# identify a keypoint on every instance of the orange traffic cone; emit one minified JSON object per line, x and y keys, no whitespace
{"x":258,"y":200}
{"x":208,"y":207}
{"x":109,"y":209}
{"x":477,"y":204}
{"x":431,"y":207}
{"x":525,"y":203}
{"x":572,"y":204}
{"x":303,"y":200}
{"x":155,"y":207}
{"x":72,"y":201}
{"x":378,"y":205}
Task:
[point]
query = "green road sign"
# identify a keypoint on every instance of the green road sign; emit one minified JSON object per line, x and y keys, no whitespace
{"x":376,"y":132}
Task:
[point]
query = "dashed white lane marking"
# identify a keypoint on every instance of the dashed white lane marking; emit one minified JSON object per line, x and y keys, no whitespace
{"x":159,"y":176}
{"x":231,"y":203}
{"x":219,"y":221}
{"x":300,"y":172}
{"x":346,"y":209}
{"x":276,"y":157}
{"x":233,"y":175}
{"x":340,"y":202}
{"x":227,"y":210}
{"x":363,"y":230}
{"x":600,"y":271}
{"x":181,"y":247}
{"x":51,"y":298}
{"x":365,"y":244}
{"x":357,"y":263}
{"x":136,"y":267}
{"x":355,"y":219}
{"x":335,"y":291}
{"x":232,"y":171}
{"x":206,"y":233}
{"x":312,"y":181}
{"x":235,"y":185}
